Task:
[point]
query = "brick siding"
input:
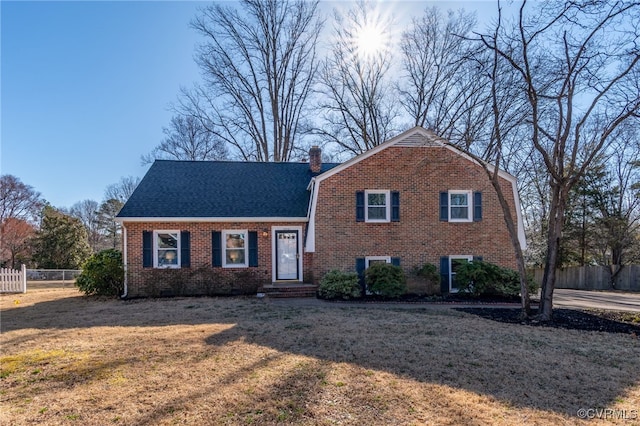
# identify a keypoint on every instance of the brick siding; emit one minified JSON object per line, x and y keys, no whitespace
{"x":200,"y":278}
{"x":419,"y":174}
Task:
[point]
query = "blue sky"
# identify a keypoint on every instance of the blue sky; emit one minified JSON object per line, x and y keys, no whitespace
{"x":85,"y":88}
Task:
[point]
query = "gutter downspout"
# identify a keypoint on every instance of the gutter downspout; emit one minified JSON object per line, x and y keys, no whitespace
{"x":124,"y":260}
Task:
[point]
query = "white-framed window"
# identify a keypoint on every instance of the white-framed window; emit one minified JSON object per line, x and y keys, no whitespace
{"x":370,"y":260}
{"x":166,"y":249}
{"x":460,"y":206}
{"x":377,"y":206}
{"x":235,"y":244}
{"x":454,"y":263}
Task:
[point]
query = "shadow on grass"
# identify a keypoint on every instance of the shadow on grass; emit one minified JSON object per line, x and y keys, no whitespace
{"x":533,"y":367}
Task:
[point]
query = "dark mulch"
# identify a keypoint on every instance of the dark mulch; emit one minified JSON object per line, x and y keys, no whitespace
{"x":572,"y":319}
{"x":447,"y":299}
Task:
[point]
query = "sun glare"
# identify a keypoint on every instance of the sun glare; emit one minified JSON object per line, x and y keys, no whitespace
{"x":370,"y":40}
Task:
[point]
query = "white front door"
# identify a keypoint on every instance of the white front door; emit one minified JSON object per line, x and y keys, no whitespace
{"x":287,"y":255}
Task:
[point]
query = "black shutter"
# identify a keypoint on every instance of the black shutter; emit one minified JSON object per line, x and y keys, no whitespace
{"x":444,"y":206}
{"x":477,"y":206}
{"x":147,"y":250}
{"x":395,"y":206}
{"x":253,"y":248}
{"x":185,"y":249}
{"x":360,"y":267}
{"x":359,"y":206}
{"x":216,"y":248}
{"x":395,"y":261}
{"x":477,"y":258}
{"x":444,"y":274}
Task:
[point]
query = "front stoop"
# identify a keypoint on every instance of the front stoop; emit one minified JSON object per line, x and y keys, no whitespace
{"x":280,"y":290}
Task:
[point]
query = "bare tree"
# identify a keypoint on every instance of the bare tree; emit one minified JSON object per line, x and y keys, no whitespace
{"x":577,"y":65}
{"x":603,"y":215}
{"x":501,"y":148}
{"x":87,"y":212}
{"x":444,"y":88}
{"x":357,"y":102}
{"x":19,"y":204}
{"x":258,"y":63}
{"x":187,"y":139}
{"x":18,"y":200}
{"x":122,"y":190}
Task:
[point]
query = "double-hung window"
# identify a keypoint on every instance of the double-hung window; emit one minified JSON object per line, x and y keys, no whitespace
{"x":371,"y":260}
{"x":460,"y":206}
{"x":454,"y":263}
{"x":166,"y":252}
{"x":235,"y":246}
{"x":377,"y":206}
{"x":166,"y":249}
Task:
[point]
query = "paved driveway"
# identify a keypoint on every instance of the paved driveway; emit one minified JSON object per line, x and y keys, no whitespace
{"x":565,"y":298}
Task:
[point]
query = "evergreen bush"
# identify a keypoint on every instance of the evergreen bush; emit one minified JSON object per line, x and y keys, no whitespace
{"x":339,"y":285}
{"x":102,"y":274}
{"x":480,"y":278}
{"x":385,"y":279}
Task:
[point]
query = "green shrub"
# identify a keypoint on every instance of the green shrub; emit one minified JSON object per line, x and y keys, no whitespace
{"x":385,"y":279}
{"x":486,"y":279}
{"x":339,"y":285}
{"x":102,"y":274}
{"x":429,"y":273}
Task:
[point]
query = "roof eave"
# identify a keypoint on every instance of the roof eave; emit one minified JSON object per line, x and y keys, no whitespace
{"x":210,"y":219}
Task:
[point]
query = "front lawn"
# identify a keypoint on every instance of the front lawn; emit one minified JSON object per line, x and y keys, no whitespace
{"x":72,"y":359}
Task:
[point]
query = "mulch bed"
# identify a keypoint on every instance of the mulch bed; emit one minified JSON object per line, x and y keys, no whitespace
{"x":571,"y":319}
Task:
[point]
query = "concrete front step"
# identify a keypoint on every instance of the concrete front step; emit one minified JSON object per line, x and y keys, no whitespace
{"x":280,"y":290}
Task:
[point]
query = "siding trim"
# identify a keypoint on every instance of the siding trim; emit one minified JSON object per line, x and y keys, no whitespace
{"x":210,"y":219}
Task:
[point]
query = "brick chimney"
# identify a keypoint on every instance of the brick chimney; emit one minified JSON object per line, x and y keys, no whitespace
{"x":315,"y":159}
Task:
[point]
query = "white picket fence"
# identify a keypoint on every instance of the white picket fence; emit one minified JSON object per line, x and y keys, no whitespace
{"x":13,"y":280}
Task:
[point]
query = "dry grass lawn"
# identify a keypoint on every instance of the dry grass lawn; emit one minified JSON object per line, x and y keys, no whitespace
{"x":71,"y":359}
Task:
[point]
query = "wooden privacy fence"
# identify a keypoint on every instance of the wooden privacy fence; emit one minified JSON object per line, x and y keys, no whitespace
{"x":13,"y":281}
{"x":594,"y":278}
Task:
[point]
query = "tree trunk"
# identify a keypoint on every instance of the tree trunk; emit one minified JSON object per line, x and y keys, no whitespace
{"x":614,"y":271}
{"x":513,"y":234}
{"x":556,"y":221}
{"x":525,"y":297}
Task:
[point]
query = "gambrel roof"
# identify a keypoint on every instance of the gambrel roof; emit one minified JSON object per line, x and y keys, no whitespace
{"x":416,"y":137}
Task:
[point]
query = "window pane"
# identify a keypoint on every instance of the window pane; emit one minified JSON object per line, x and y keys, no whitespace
{"x":167,"y":241}
{"x":377,"y":213}
{"x":167,"y":257}
{"x":459,"y":200}
{"x":377,"y":199}
{"x":459,"y":213}
{"x":235,"y":241}
{"x":455,"y":264}
{"x":235,"y":257}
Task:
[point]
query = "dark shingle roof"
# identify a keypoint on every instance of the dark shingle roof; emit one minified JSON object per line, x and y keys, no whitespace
{"x":221,"y":189}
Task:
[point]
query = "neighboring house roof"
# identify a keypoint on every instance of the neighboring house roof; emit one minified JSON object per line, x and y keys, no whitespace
{"x":191,"y":190}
